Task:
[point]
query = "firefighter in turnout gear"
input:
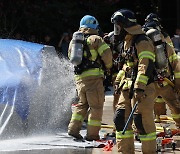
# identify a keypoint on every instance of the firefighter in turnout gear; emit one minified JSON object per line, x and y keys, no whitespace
{"x":89,"y":75}
{"x":170,"y":70}
{"x":117,"y":65}
{"x":137,"y":80}
{"x":109,"y":39}
{"x":152,"y":21}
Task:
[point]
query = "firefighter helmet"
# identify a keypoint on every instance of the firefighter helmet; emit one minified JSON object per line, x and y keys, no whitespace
{"x":151,"y":25}
{"x":124,"y":17}
{"x":89,"y":22}
{"x":124,"y":21}
{"x":152,"y":17}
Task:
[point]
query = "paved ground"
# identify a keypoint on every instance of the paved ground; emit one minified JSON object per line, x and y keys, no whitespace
{"x":60,"y":144}
{"x":107,"y":118}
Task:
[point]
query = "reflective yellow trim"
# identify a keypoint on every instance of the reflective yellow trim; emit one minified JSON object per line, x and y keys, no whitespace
{"x":148,"y":137}
{"x":94,"y":122}
{"x":130,"y":64}
{"x":94,"y":54}
{"x":173,"y":57}
{"x":76,"y":116}
{"x":146,"y":54}
{"x":159,"y":100}
{"x":142,"y":78}
{"x":175,"y":116}
{"x":177,"y":75}
{"x":102,"y":48}
{"x":127,"y":85}
{"x":90,"y":72}
{"x":85,"y":54}
{"x":165,"y":83}
{"x":109,"y":65}
{"x":128,"y":134}
{"x":88,"y":41}
{"x":120,"y":74}
{"x":171,"y":44}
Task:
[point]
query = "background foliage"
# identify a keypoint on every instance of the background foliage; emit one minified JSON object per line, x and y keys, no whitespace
{"x":54,"y":17}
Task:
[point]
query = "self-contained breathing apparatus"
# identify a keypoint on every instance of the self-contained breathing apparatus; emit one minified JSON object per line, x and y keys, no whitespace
{"x":117,"y":48}
{"x":77,"y":48}
{"x":80,"y":54}
{"x":161,"y":59}
{"x":130,"y":58}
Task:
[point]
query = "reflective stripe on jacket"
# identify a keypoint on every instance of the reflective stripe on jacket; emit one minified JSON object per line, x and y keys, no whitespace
{"x":99,"y":51}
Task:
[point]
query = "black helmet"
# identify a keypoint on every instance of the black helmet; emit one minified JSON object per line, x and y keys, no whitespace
{"x":151,"y":25}
{"x":152,"y":17}
{"x":124,"y":17}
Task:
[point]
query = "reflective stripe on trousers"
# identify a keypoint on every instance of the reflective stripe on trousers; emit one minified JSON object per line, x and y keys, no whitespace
{"x":148,"y":137}
{"x":76,"y":116}
{"x":175,"y":116}
{"x":94,"y":122}
{"x":128,"y":134}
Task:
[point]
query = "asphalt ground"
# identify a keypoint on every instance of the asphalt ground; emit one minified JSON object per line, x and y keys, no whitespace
{"x":62,"y":144}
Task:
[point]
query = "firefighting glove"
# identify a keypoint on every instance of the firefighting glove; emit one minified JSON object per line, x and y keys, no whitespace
{"x":138,"y":94}
{"x":106,"y":38}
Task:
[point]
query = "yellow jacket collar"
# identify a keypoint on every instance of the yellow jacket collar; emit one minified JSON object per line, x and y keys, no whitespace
{"x":88,"y":31}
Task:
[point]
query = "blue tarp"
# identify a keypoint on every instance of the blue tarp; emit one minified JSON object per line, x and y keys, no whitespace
{"x":20,"y":64}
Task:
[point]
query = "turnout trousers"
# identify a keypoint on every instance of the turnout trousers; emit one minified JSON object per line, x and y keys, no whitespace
{"x":143,"y":119}
{"x":171,"y":99}
{"x":91,"y":99}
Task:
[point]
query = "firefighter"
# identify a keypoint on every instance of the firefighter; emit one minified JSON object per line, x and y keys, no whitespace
{"x":89,"y":76}
{"x":109,"y":39}
{"x":167,"y":66}
{"x":159,"y":102}
{"x":152,"y":17}
{"x":115,"y":47}
{"x":138,"y":81}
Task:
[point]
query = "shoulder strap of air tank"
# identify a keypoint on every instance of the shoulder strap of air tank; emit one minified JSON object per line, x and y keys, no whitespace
{"x":86,"y":47}
{"x":138,"y":38}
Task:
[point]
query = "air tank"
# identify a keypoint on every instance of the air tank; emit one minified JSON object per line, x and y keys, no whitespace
{"x":77,"y":48}
{"x":161,"y":59}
